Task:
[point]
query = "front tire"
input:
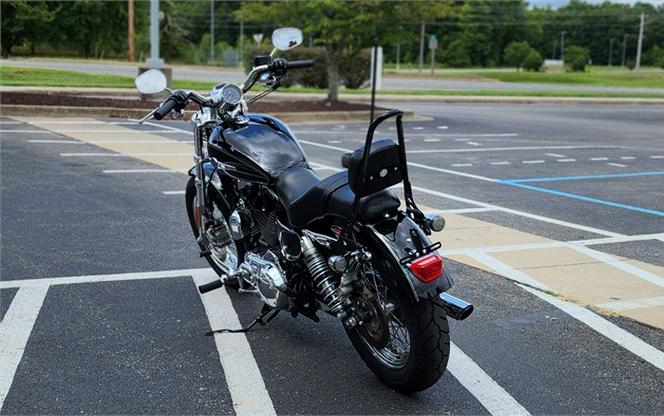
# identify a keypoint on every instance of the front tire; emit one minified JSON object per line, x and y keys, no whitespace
{"x":190,"y":199}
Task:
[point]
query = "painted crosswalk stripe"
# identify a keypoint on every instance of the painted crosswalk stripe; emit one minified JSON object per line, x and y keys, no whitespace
{"x":15,"y":331}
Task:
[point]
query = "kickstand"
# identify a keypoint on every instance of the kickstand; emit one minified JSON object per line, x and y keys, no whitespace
{"x":259,"y":320}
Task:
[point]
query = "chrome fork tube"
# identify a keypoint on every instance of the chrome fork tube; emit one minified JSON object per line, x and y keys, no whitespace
{"x":200,"y":180}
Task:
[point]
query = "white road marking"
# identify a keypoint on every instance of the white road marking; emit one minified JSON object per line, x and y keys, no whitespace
{"x":122,"y":154}
{"x":532,"y":162}
{"x":622,"y":305}
{"x":243,"y":377}
{"x":657,"y":157}
{"x":494,"y":149}
{"x":621,"y":265}
{"x":431,"y":140}
{"x":606,"y":328}
{"x":506,"y":270}
{"x":50,"y":121}
{"x":619,"y":165}
{"x":56,"y":141}
{"x":627,"y":157}
{"x":499,"y":163}
{"x":474,"y":144}
{"x":418,"y":128}
{"x":15,"y":331}
{"x":459,"y":165}
{"x":9,"y":122}
{"x":566,"y":160}
{"x":334,"y":141}
{"x":173,"y":192}
{"x":595,"y":159}
{"x":555,"y":155}
{"x":442,"y":127}
{"x":490,"y":394}
{"x":96,"y":278}
{"x":453,"y":172}
{"x":465,"y":210}
{"x":140,"y":171}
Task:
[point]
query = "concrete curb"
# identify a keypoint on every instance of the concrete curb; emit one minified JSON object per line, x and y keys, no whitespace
{"x":130,"y":93}
{"x":137,"y":113}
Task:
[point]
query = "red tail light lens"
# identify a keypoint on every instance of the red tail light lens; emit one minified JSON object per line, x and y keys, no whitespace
{"x":427,"y":268}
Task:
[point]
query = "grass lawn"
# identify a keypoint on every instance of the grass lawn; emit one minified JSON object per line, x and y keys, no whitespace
{"x":597,"y":76}
{"x":18,"y":76}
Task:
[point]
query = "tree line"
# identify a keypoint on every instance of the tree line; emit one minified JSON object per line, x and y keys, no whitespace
{"x":470,"y":33}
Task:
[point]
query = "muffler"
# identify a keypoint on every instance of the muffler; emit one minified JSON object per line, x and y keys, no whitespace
{"x":455,"y":307}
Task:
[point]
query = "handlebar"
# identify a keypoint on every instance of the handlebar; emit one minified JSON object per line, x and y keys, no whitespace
{"x":308,"y":63}
{"x":165,"y":108}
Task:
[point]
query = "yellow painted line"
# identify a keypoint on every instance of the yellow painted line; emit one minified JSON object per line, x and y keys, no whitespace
{"x":570,"y":273}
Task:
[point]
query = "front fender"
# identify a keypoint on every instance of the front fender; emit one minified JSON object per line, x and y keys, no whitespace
{"x":393,"y":239}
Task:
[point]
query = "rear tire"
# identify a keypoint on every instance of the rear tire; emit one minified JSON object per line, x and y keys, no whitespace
{"x":428,"y":330}
{"x":190,"y":196}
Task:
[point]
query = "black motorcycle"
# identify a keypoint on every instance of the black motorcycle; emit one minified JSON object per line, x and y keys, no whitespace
{"x":267,"y":224}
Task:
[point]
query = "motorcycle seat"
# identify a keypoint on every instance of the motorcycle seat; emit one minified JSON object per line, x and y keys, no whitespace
{"x":306,"y":198}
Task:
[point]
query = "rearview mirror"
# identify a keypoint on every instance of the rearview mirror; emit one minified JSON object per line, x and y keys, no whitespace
{"x":286,"y":38}
{"x":151,"y":82}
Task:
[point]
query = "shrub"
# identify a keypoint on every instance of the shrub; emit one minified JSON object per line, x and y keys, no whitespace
{"x":456,"y":55}
{"x":516,"y":53}
{"x":533,"y":61}
{"x":576,"y":58}
{"x":356,"y":68}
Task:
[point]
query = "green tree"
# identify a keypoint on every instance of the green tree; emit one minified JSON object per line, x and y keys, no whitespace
{"x":23,"y":21}
{"x":516,"y":53}
{"x":533,"y":61}
{"x":576,"y":58}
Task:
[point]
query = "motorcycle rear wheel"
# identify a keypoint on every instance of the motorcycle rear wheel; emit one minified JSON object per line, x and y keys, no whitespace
{"x":416,"y":354}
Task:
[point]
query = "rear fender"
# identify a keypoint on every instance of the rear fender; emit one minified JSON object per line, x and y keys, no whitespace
{"x":392,"y":239}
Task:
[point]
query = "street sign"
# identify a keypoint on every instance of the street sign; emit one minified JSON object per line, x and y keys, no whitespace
{"x":433,"y":42}
{"x":258,"y":38}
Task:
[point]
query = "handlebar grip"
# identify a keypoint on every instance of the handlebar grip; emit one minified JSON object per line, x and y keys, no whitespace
{"x":165,"y":108}
{"x":308,"y":63}
{"x":207,"y":287}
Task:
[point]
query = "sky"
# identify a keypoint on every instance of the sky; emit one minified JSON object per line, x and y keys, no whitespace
{"x":558,"y":3}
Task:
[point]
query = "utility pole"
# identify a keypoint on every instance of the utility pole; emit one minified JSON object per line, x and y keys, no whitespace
{"x":131,"y":38}
{"x":611,"y":51}
{"x":241,"y":41}
{"x":421,"y":47}
{"x":398,"y":55}
{"x":640,"y":43}
{"x":622,"y":61}
{"x":155,"y":61}
{"x":211,"y":30}
{"x":562,"y":46}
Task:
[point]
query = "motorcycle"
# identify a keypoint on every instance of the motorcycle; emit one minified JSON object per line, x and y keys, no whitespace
{"x":342,"y":245}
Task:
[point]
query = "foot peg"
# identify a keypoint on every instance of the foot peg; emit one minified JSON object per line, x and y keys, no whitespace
{"x":208,"y":287}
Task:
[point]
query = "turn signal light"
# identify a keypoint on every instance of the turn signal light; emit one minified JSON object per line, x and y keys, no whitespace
{"x":428,"y":268}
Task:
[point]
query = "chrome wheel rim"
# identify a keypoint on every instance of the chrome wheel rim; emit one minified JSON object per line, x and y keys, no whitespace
{"x":224,"y":256}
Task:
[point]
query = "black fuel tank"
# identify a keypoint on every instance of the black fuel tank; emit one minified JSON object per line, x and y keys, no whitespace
{"x":264,"y":140}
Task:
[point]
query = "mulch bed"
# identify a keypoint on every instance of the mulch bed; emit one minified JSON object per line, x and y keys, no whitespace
{"x":276,"y":106}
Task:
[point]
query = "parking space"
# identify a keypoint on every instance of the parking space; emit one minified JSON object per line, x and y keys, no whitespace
{"x":99,"y":270}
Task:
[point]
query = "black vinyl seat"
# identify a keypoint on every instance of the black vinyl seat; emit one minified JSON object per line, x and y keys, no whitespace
{"x":306,"y":197}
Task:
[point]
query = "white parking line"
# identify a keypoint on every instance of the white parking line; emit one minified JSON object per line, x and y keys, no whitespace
{"x":489,"y":393}
{"x":432,"y":140}
{"x":122,"y":154}
{"x":90,"y":131}
{"x":474,"y":144}
{"x":627,"y":157}
{"x":55,"y":141}
{"x":465,"y":210}
{"x":506,"y":270}
{"x":657,"y":157}
{"x":460,"y":165}
{"x":555,"y":155}
{"x":596,"y":159}
{"x":442,"y":127}
{"x":611,"y":331}
{"x":619,"y":165}
{"x":566,"y":160}
{"x":532,"y":162}
{"x":173,"y":192}
{"x":494,"y":149}
{"x":15,"y":331}
{"x":243,"y":377}
{"x":499,"y":163}
{"x":418,"y":128}
{"x":112,"y":171}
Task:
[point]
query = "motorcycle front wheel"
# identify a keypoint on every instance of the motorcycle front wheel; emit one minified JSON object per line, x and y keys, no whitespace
{"x":417,"y":349}
{"x":221,"y":258}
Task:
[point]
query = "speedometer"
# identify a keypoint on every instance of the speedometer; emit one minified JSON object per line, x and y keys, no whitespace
{"x":231,"y":94}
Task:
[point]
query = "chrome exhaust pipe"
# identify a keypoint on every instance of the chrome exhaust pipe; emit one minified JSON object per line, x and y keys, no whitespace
{"x":455,"y":307}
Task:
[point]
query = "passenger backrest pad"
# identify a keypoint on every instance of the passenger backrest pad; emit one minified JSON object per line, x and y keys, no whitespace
{"x":383,"y":167}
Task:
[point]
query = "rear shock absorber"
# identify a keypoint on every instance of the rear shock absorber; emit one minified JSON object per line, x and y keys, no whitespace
{"x":324,"y":279}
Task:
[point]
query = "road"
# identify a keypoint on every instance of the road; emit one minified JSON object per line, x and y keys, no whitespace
{"x":100,"y":313}
{"x":389,"y":82}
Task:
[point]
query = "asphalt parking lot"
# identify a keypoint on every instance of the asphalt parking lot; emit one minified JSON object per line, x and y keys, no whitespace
{"x":555,"y":232}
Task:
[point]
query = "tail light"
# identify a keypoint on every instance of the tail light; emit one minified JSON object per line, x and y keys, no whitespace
{"x":428,"y":268}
